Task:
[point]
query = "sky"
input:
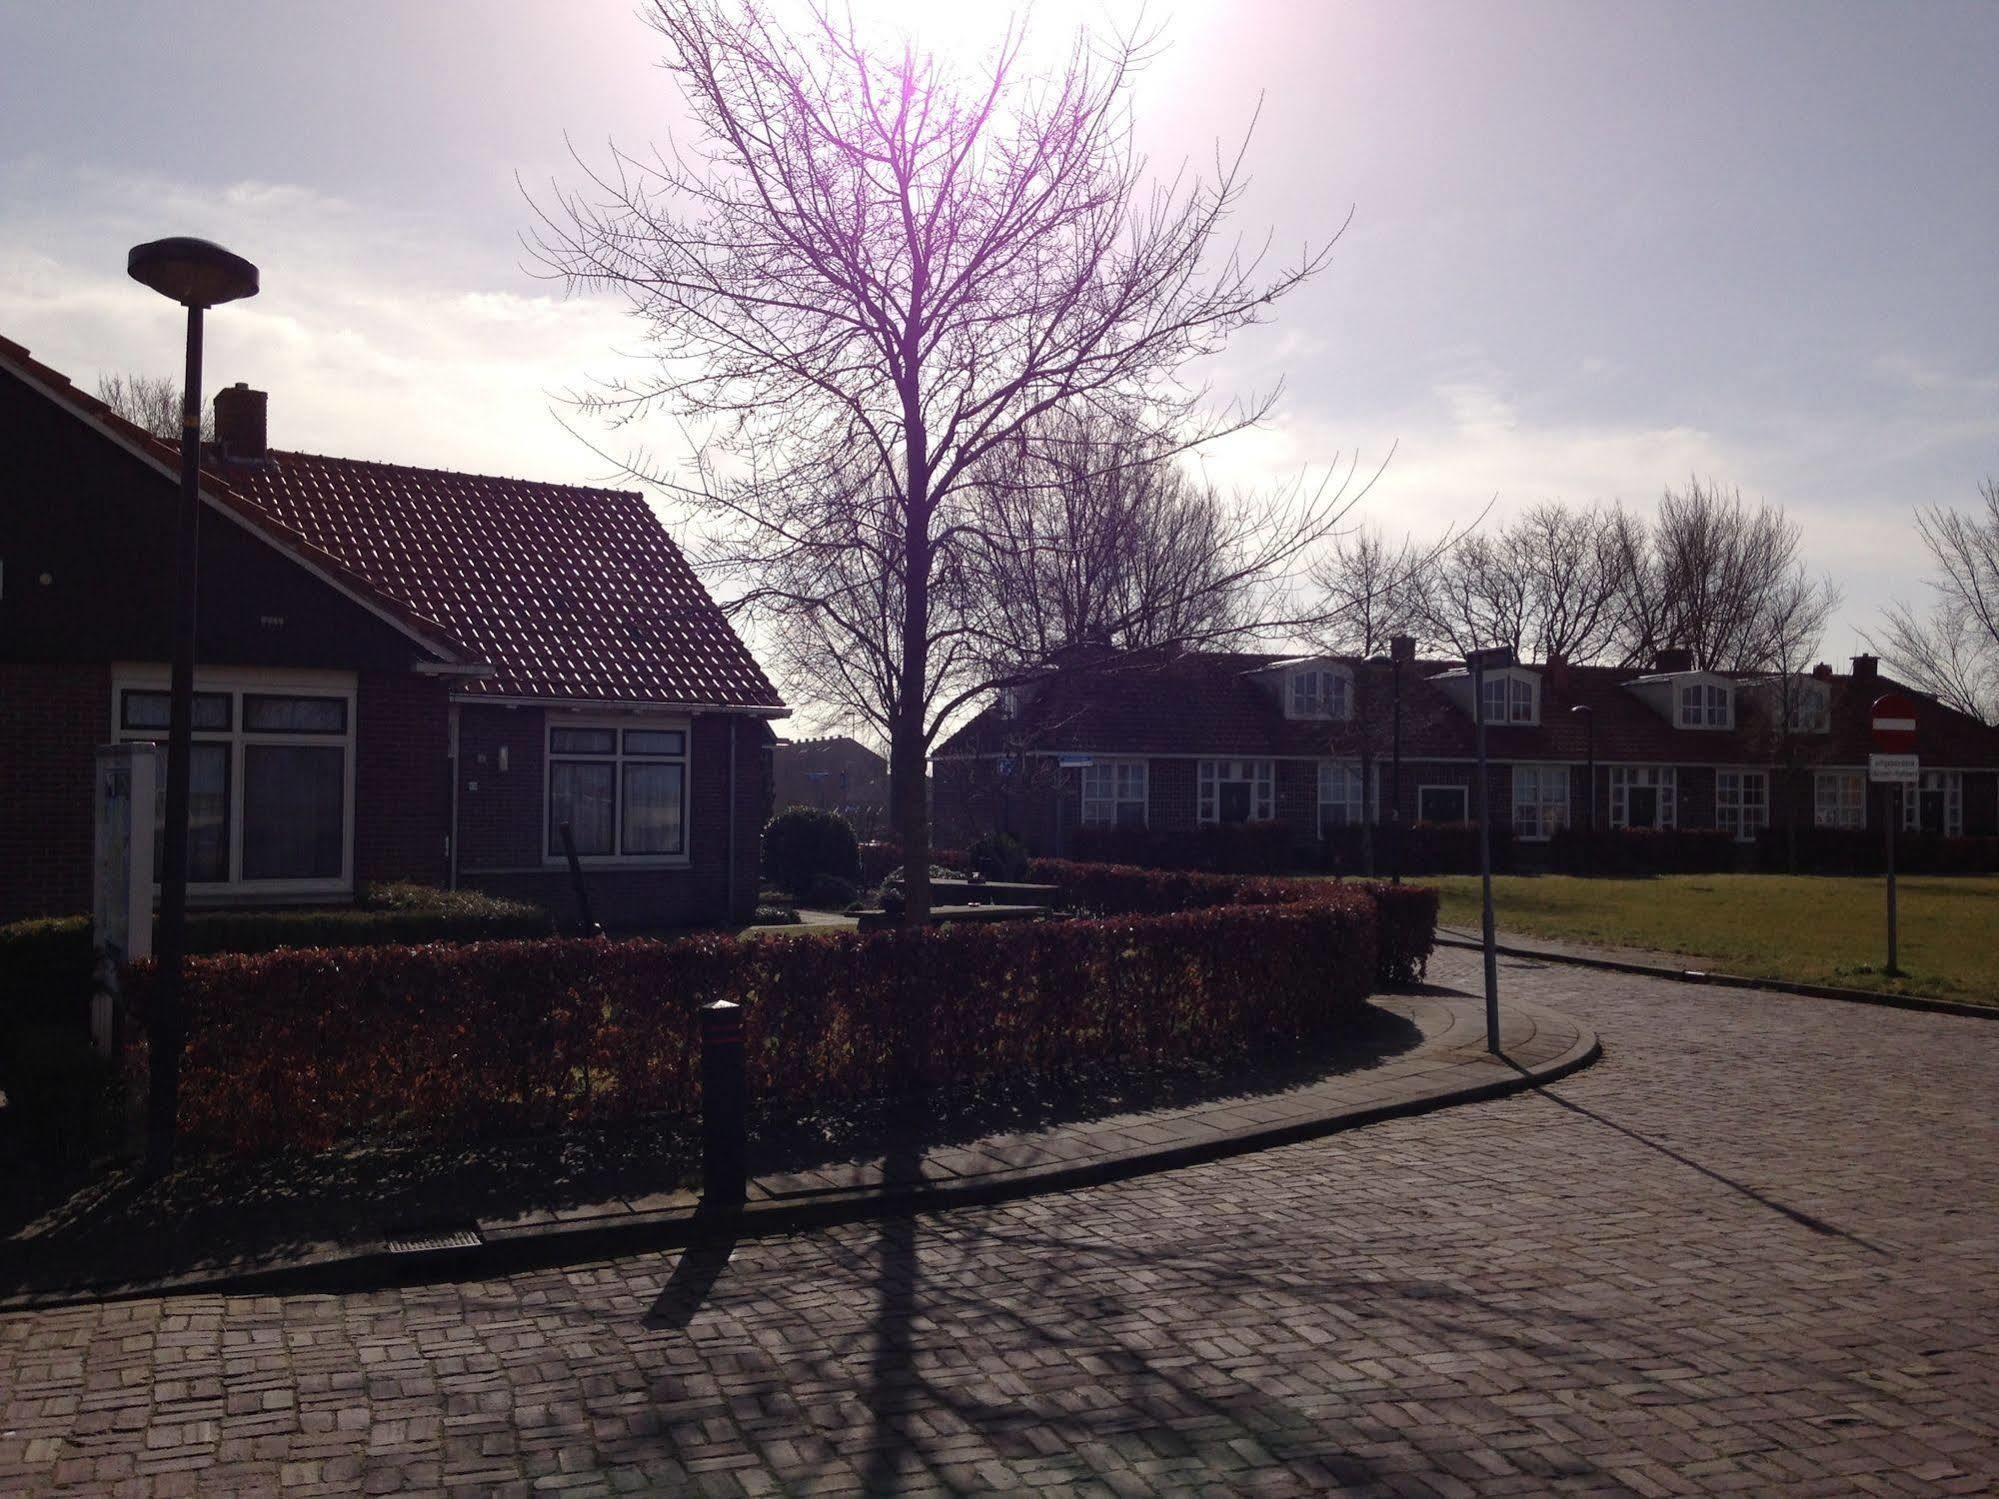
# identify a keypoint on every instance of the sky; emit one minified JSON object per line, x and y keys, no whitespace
{"x":1595,"y":249}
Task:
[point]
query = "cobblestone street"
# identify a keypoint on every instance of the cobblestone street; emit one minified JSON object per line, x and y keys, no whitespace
{"x":1754,"y":1249}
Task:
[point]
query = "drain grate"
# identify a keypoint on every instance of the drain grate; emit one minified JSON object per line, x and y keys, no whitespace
{"x":437,"y":1243}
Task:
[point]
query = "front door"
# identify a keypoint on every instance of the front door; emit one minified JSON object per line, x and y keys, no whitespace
{"x":1644,"y":805}
{"x":1234,"y":805}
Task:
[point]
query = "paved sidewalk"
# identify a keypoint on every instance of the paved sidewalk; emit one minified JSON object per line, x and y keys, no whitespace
{"x":1426,"y":1050}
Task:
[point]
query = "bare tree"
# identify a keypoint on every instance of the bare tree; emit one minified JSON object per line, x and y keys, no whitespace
{"x":1723,"y":581}
{"x":151,"y":402}
{"x":1372,"y":591}
{"x":1952,"y":652}
{"x":863,"y":279}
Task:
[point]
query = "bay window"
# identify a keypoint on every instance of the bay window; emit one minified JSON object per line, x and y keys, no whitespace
{"x":1644,"y":796}
{"x":1839,"y":799}
{"x":1540,"y":800}
{"x":271,"y":775}
{"x":1741,"y":802}
{"x":1114,"y":794}
{"x":1237,"y":791}
{"x":621,"y":790}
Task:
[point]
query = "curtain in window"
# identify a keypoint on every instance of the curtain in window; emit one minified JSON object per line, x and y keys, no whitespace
{"x":652,"y":809}
{"x":581,"y":794}
{"x":207,"y":815}
{"x":294,"y":798}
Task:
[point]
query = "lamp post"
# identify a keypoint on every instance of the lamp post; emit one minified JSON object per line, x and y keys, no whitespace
{"x":1402,"y":648}
{"x":198,"y":275}
{"x":1493,"y":658}
{"x":1589,"y":797}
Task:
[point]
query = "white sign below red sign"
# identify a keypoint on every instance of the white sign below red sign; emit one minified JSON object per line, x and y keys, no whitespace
{"x":1903,"y":770}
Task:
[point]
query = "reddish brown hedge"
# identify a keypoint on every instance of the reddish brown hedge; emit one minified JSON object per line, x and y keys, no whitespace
{"x":305,"y":1048}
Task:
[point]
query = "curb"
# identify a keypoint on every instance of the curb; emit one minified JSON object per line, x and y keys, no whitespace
{"x":548,"y":1246}
{"x":1876,"y":997}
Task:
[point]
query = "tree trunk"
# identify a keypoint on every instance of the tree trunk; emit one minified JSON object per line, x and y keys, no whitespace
{"x":906,"y":746}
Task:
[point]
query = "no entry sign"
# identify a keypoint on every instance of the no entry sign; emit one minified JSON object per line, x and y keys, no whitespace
{"x":1894,"y":724}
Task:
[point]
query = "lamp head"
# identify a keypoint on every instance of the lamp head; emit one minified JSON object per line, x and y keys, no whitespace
{"x":1585,"y":709}
{"x":192,"y":272}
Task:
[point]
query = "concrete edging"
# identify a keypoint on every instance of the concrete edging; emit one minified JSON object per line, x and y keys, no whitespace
{"x":547,"y":1246}
{"x":1734,"y":980}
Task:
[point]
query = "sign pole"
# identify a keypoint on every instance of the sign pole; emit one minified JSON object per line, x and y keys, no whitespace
{"x":1894,"y":816}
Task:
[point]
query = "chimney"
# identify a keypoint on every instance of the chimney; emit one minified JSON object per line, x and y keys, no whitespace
{"x":1402,"y":648}
{"x":1822,"y":672}
{"x":1866,"y":668}
{"x":1673,"y":658}
{"x":240,"y":423}
{"x":1557,"y":666}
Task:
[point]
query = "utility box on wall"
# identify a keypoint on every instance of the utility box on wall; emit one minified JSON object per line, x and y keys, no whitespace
{"x":121,"y":926}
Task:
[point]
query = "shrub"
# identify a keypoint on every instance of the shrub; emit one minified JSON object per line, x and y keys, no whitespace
{"x":304,"y":1048}
{"x":1863,"y":851}
{"x":828,"y":892}
{"x":45,"y":973}
{"x":774,"y":916}
{"x":1235,"y":848}
{"x":998,"y":856}
{"x":63,"y":1098}
{"x":802,"y":843}
{"x":1408,"y":934}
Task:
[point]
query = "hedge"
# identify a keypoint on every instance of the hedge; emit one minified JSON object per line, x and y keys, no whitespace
{"x":301,"y":1049}
{"x":45,"y":962}
{"x":1406,"y":914}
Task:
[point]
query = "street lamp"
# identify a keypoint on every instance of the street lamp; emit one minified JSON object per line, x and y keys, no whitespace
{"x":1492,"y":658}
{"x":198,"y":275}
{"x":1402,"y":648}
{"x":1589,"y":797}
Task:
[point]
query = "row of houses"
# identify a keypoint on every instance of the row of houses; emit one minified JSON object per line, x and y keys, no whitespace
{"x":1176,"y":742}
{"x":403,"y":673}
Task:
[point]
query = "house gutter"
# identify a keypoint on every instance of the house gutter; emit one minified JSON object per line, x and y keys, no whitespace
{"x":621,"y":705}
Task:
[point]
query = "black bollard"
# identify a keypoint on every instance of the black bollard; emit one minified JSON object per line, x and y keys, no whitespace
{"x":724,"y":1106}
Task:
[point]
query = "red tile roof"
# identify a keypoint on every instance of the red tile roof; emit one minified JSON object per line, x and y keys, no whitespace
{"x":1206,"y":703}
{"x":566,"y":593}
{"x":569,"y":593}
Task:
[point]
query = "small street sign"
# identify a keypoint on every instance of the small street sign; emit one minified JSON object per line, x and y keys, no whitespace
{"x":1899,"y":770}
{"x":1894,"y":723}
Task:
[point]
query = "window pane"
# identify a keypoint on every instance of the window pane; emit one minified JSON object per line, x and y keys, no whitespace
{"x":580,"y":794}
{"x":150,"y":710}
{"x":207,"y":815}
{"x":652,"y":809}
{"x":294,"y":715}
{"x":582,"y":741}
{"x":654,"y":742}
{"x":294,"y":797}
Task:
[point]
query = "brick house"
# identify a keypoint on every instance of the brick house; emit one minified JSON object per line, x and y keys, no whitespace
{"x":836,"y":772}
{"x":1173,"y":743}
{"x":402,"y":673}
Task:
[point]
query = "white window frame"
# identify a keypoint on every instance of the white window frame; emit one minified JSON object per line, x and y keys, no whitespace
{"x":1463,"y":793}
{"x":238,"y":683}
{"x":1539,"y":815}
{"x":1951,"y":784}
{"x":1846,"y":806}
{"x":1665,"y":779}
{"x":1129,"y":784}
{"x":1735,"y":813}
{"x":1342,"y":790}
{"x":1714,"y":707}
{"x":551,"y":846}
{"x":1522,"y":691}
{"x":1260,"y":775}
{"x":1324,"y":692}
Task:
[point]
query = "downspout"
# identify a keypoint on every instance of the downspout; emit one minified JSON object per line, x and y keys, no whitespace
{"x":730,"y":904}
{"x":451,"y":832}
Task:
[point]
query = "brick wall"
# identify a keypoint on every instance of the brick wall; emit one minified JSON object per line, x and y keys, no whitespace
{"x":402,"y":778}
{"x":501,"y":815}
{"x":52,"y":718}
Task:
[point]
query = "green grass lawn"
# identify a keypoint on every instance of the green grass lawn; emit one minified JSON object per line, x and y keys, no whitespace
{"x":1809,"y":929}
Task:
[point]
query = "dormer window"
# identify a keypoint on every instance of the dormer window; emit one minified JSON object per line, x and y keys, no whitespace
{"x":1510,"y":698}
{"x":1320,"y":692}
{"x":1706,"y":705}
{"x":1810,"y":708}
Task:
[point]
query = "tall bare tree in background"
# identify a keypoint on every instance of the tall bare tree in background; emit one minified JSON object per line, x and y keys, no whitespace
{"x":866,"y":279}
{"x":1724,"y":581}
{"x":1551,"y":583}
{"x":1371,"y":590}
{"x":151,"y":402}
{"x":1952,"y":651}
